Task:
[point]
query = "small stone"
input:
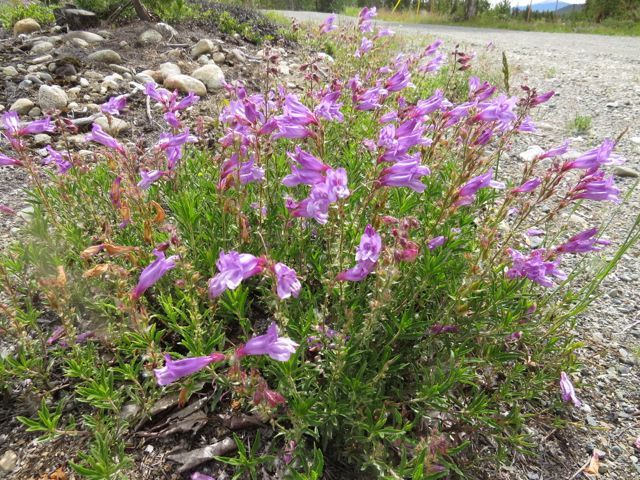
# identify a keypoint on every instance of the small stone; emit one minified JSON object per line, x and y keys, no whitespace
{"x":589,"y":447}
{"x":591,"y":421}
{"x":120,"y":69}
{"x":149,"y":449}
{"x":616,"y":450}
{"x":41,"y":48}
{"x":150,"y":37}
{"x":211,"y":75}
{"x":533,"y":476}
{"x":167,"y":69}
{"x":41,"y":139}
{"x":604,"y":468}
{"x":238,"y":55}
{"x":88,"y":37}
{"x":204,"y":60}
{"x":26,"y":25}
{"x":84,"y":82}
{"x":612,"y":105}
{"x":626,"y":172}
{"x":52,"y":98}
{"x":115,"y":128}
{"x":635,"y":140}
{"x":129,"y":410}
{"x":35,"y":112}
{"x":8,"y":461}
{"x":22,"y":106}
{"x":9,"y":72}
{"x":185,"y":84}
{"x":633,"y":459}
{"x":530,"y":153}
{"x":40,"y":60}
{"x":79,"y":43}
{"x":105,"y":56}
{"x":218,"y":57}
{"x":203,"y":46}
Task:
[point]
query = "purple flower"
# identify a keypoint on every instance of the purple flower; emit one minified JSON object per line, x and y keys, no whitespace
{"x":11,"y":123}
{"x":315,"y":206}
{"x":398,"y":141}
{"x":556,"y":151}
{"x":432,"y":48}
{"x":6,"y":209}
{"x":62,"y":163}
{"x":114,"y":105}
{"x":433,"y":65}
{"x":172,"y":120}
{"x":278,"y":348}
{"x":527,"y":125}
{"x":328,"y":25}
{"x":310,"y":171}
{"x":56,"y":335}
{"x":499,"y":110}
{"x":399,"y":80}
{"x":367,"y":255}
{"x":601,"y":155}
{"x":8,"y":161}
{"x":542,"y":98}
{"x":364,"y":19}
{"x":172,"y":145}
{"x":405,"y":173}
{"x":583,"y":242}
{"x":176,"y":369}
{"x":294,"y":119}
{"x":535,"y":267}
{"x":567,"y":390}
{"x":429,"y":105}
{"x":160,"y":95}
{"x":436,"y":242}
{"x":329,"y":107}
{"x":232,"y":169}
{"x":528,"y":186}
{"x":467,"y":193}
{"x":337,"y":184}
{"x":365,"y":46}
{"x":99,"y":136}
{"x":287,"y":281}
{"x":149,"y":177}
{"x":438,"y":328}
{"x":186,"y":102}
{"x":153,"y":272}
{"x":595,"y":186}
{"x":370,"y":99}
{"x":233,"y":267}
{"x":201,"y":476}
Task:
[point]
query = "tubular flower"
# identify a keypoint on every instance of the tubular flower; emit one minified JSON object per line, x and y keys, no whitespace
{"x":365,"y":18}
{"x":8,"y":161}
{"x":148,"y":177}
{"x":233,"y":267}
{"x":315,"y":206}
{"x":365,"y":46}
{"x":310,"y":171}
{"x":367,"y":255}
{"x":100,"y":136}
{"x":329,"y":107}
{"x":176,"y":369}
{"x":467,"y":193}
{"x":535,"y":267}
{"x":436,"y":242}
{"x":542,"y":98}
{"x":434,"y":64}
{"x":59,"y":159}
{"x":595,"y":186}
{"x":556,"y":151}
{"x":583,"y":242}
{"x":153,"y":272}
{"x":278,"y":348}
{"x":602,"y":155}
{"x":499,"y":110}
{"x":567,"y":390}
{"x":528,"y":186}
{"x":405,"y":173}
{"x":11,"y":124}
{"x":114,"y":105}
{"x":328,"y":25}
{"x":287,"y":283}
{"x":246,"y":172}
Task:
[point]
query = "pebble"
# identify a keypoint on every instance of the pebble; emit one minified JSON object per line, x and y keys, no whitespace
{"x":22,"y":106}
{"x":530,"y":153}
{"x":167,"y":69}
{"x":115,"y":128}
{"x":185,"y":84}
{"x":211,"y":75}
{"x":41,"y":48}
{"x":9,"y":72}
{"x":635,"y":140}
{"x":218,"y":57}
{"x":88,"y":37}
{"x":26,"y":25}
{"x":203,"y":46}
{"x":616,"y":450}
{"x":105,"y":56}
{"x":79,"y":43}
{"x":41,"y":139}
{"x":621,"y":171}
{"x":8,"y":461}
{"x":150,"y":37}
{"x":52,"y":98}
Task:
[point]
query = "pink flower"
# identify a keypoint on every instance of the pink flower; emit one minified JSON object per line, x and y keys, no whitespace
{"x":328,"y":25}
{"x":567,"y":390}
{"x":114,"y":105}
{"x":59,"y":159}
{"x":583,"y":242}
{"x":176,"y":369}
{"x":528,"y":186}
{"x":153,"y":272}
{"x":365,"y":46}
{"x":467,"y":193}
{"x":287,"y":281}
{"x":100,"y":136}
{"x":535,"y":267}
{"x":233,"y":267}
{"x":149,"y":177}
{"x":367,"y":255}
{"x":310,"y":171}
{"x":8,"y":161}
{"x":278,"y":348}
{"x":436,"y":242}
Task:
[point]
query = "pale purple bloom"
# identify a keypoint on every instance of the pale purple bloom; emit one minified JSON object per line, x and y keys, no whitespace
{"x":367,"y":254}
{"x":556,"y":151}
{"x":153,"y":272}
{"x":100,"y":136}
{"x":433,"y":65}
{"x":583,"y":242}
{"x":148,"y":177}
{"x":56,"y":335}
{"x":294,"y":119}
{"x":59,"y":159}
{"x":595,"y":186}
{"x":527,"y":125}
{"x":201,"y":476}
{"x":399,"y":80}
{"x":114,"y":105}
{"x":398,"y":141}
{"x":278,"y":348}
{"x":436,"y":242}
{"x":528,"y":186}
{"x":467,"y":193}
{"x":364,"y":19}
{"x":172,"y":119}
{"x":176,"y":369}
{"x":457,"y":113}
{"x":310,"y":171}
{"x":405,"y":173}
{"x":337,"y":184}
{"x":567,"y":390}
{"x":328,"y":25}
{"x":315,"y":206}
{"x":429,"y":105}
{"x":6,"y":209}
{"x":480,"y":91}
{"x":499,"y":110}
{"x":232,"y":169}
{"x":432,"y":48}
{"x":187,"y":101}
{"x":172,"y":145}
{"x":535,"y":267}
{"x":160,"y":95}
{"x":370,"y":99}
{"x":542,"y":98}
{"x":602,"y":155}
{"x":385,"y":32}
{"x":11,"y":123}
{"x":535,"y":232}
{"x":329,"y":107}
{"x":365,"y":46}
{"x":287,"y":283}
{"x":233,"y":267}
{"x":8,"y":161}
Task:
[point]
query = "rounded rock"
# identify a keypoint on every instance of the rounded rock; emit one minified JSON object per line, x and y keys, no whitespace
{"x":105,"y":56}
{"x":41,"y":48}
{"x":167,"y":69}
{"x":26,"y":25}
{"x":9,"y":72}
{"x":211,"y":75}
{"x":88,"y":37}
{"x":52,"y":98}
{"x":203,"y":46}
{"x":21,"y":106}
{"x":185,"y":84}
{"x":150,"y":37}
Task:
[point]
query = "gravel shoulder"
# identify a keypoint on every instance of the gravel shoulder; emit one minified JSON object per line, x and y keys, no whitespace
{"x":596,"y":77}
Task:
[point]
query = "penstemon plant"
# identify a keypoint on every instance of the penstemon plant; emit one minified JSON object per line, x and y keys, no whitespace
{"x":347,"y":261}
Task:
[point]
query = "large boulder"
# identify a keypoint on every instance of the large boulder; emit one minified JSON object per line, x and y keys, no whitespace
{"x":185,"y":84}
{"x":52,"y":98}
{"x":26,"y":25}
{"x":76,"y":18}
{"x":211,"y":75}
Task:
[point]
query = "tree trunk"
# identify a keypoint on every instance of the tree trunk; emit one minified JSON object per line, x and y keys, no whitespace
{"x":471,"y":9}
{"x":141,"y":11}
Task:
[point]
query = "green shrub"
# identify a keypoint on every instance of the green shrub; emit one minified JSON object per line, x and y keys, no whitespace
{"x":14,"y":11}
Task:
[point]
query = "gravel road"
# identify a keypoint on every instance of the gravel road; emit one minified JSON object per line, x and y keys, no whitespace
{"x":596,"y":77}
